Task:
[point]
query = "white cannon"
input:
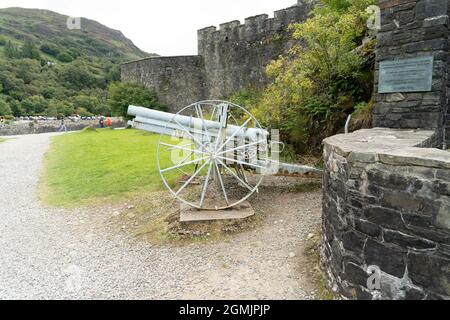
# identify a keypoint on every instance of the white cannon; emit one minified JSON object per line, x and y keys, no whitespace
{"x":218,"y":146}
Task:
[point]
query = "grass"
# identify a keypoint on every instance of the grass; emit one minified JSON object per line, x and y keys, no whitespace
{"x":2,"y":140}
{"x":86,"y":166}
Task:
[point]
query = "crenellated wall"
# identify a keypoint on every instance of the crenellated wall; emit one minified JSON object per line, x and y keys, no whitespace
{"x":229,"y":59}
{"x":178,"y":81}
{"x":236,"y":54}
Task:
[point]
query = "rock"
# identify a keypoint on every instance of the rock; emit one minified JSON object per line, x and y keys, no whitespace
{"x":131,"y":215}
{"x":310,"y":236}
{"x":407,"y":241}
{"x":384,"y":217}
{"x":395,"y":97}
{"x":354,"y":241}
{"x":355,"y":274}
{"x":130,"y":207}
{"x":368,"y":228}
{"x":430,"y":271}
{"x":390,"y":259}
{"x":291,"y":255}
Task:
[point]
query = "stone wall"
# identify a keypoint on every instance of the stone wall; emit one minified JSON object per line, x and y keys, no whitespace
{"x":387,"y":204}
{"x":236,"y":54}
{"x":412,"y":28}
{"x":44,"y":126}
{"x":178,"y":81}
{"x":229,"y":59}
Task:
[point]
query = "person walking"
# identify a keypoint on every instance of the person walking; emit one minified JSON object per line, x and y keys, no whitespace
{"x":62,"y":125}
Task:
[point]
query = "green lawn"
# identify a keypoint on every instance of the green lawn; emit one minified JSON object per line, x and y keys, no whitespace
{"x":88,"y":165}
{"x":1,"y":140}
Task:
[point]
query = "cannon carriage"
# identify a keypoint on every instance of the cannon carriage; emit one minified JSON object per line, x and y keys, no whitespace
{"x":220,"y":149}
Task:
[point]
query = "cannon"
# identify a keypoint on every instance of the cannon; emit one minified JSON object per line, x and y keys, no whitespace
{"x":219,"y":149}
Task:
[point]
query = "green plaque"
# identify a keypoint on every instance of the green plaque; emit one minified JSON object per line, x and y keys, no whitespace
{"x":406,"y":75}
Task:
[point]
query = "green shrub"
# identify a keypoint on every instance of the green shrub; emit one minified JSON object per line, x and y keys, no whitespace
{"x":313,"y":89}
{"x":123,"y":94}
{"x":5,"y":109}
{"x":64,"y":57}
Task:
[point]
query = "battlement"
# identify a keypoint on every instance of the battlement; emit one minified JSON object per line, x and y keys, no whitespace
{"x":255,"y":26}
{"x":229,"y":25}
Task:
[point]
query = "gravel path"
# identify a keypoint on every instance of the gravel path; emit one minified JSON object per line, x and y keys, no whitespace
{"x":50,"y":253}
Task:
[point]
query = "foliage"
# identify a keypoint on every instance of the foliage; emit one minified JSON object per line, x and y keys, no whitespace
{"x":123,"y":94}
{"x":315,"y":87}
{"x":45,"y":70}
{"x":115,"y":163}
{"x":362,"y":117}
{"x":4,"y":107}
{"x":64,"y":57}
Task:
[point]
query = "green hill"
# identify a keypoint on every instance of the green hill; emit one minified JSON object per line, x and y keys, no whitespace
{"x":47,"y":68}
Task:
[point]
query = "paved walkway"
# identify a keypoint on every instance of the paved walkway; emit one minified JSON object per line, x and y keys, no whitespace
{"x":51,"y":253}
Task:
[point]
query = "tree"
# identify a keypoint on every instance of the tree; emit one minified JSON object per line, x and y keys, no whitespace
{"x":50,"y":49}
{"x":65,"y":57}
{"x":30,"y":51}
{"x":11,"y":51}
{"x":123,"y":94}
{"x":16,"y":108}
{"x":77,"y":76}
{"x":5,"y":110}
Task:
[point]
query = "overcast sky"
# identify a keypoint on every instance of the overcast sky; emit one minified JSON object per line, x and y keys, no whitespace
{"x":166,"y":27}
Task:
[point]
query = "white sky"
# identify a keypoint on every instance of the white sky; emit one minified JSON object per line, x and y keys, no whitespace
{"x":165,"y":27}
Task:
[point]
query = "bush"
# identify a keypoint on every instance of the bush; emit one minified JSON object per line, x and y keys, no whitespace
{"x":5,"y":109}
{"x":50,"y":49}
{"x":123,"y":94}
{"x":64,"y":57}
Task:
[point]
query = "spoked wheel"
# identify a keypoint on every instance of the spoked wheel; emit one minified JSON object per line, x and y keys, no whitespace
{"x":220,"y":150}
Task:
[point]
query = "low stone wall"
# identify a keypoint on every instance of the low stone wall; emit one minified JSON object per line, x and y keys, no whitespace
{"x":42,"y":126}
{"x":387,"y":204}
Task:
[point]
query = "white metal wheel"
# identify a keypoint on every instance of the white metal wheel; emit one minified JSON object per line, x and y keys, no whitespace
{"x":223,"y":149}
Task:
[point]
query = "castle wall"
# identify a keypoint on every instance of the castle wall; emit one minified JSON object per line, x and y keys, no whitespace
{"x":178,"y":81}
{"x":229,"y":59}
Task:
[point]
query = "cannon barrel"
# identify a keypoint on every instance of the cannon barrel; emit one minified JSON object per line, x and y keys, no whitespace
{"x":169,"y":124}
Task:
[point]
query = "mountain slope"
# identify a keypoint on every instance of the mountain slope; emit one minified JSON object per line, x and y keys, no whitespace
{"x":48,"y":69}
{"x":43,"y":26}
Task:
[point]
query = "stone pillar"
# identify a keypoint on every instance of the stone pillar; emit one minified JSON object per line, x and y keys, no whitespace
{"x":414,"y":28}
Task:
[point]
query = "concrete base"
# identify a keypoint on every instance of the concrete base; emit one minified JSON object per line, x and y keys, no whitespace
{"x":189,"y":214}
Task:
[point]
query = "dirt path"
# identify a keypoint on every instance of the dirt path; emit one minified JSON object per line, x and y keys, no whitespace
{"x":50,"y":253}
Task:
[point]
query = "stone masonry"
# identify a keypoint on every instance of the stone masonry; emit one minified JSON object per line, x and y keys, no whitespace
{"x":386,"y":203}
{"x":43,"y":126}
{"x":229,"y":59}
{"x":411,"y":28}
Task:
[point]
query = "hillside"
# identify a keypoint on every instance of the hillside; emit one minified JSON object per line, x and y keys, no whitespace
{"x":47,"y":68}
{"x":44,"y":26}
